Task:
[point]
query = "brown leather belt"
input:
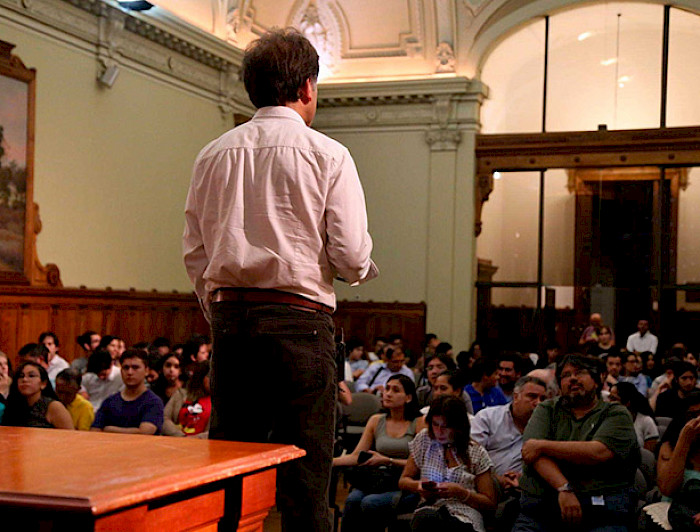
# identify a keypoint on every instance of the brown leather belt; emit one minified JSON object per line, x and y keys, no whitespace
{"x":275,"y":297}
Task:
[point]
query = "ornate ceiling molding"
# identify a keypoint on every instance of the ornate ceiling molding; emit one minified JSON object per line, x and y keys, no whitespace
{"x":158,"y":45}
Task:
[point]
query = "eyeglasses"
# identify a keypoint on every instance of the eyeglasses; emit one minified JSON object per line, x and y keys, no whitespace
{"x":576,"y":373}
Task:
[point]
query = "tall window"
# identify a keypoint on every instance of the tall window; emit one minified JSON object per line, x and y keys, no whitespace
{"x":562,"y":243}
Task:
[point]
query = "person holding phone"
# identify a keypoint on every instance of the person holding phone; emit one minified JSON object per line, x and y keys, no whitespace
{"x":450,"y":471}
{"x":384,"y":444}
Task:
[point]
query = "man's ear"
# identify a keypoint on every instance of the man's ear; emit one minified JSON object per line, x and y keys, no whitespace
{"x":306,"y":91}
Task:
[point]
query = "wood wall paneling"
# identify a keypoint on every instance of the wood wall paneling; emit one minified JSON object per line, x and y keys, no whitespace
{"x":26,"y":312}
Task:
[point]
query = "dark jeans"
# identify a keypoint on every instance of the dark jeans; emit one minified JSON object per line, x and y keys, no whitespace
{"x":274,"y":380}
{"x":544,"y":515}
{"x":429,"y":520}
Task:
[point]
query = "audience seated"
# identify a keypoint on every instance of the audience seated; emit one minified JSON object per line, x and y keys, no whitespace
{"x":135,"y":409}
{"x":34,"y":352}
{"x":591,"y":333}
{"x":434,"y":365}
{"x":613,"y":368}
{"x":581,"y":456}
{"x":68,"y":384}
{"x":102,"y":379}
{"x":357,"y":358}
{"x":373,"y":503}
{"x":188,"y":410}
{"x":633,"y":373}
{"x":499,"y":429}
{"x":5,"y":376}
{"x":111,"y":344}
{"x":484,"y":390}
{"x":56,"y":362}
{"x":510,"y":369}
{"x":450,"y":383}
{"x":88,"y":341}
{"x":605,"y":345}
{"x":643,"y":340}
{"x":376,"y":376}
{"x":450,"y":471}
{"x":168,"y":373}
{"x":161,"y":345}
{"x":644,"y":425}
{"x":33,"y":402}
{"x":685,"y":377}
{"x":679,"y":465}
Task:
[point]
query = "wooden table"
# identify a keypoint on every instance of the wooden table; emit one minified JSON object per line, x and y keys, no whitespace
{"x":72,"y":480}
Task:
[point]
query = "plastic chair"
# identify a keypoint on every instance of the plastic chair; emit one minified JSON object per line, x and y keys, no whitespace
{"x":356,"y":415}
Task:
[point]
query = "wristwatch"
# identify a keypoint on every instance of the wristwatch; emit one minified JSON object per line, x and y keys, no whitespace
{"x":565,"y":487}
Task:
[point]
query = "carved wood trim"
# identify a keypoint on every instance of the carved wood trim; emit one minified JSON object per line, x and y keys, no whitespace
{"x":484,"y":187}
{"x":581,"y":149}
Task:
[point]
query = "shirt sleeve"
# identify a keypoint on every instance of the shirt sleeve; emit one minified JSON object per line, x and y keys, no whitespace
{"x":418,"y":446}
{"x":481,"y":462}
{"x":102,"y":415}
{"x":153,"y":412}
{"x":362,"y":383}
{"x":86,"y":416}
{"x":194,"y":254}
{"x":540,"y":421}
{"x":480,"y":431}
{"x":617,"y":431}
{"x":348,"y":244}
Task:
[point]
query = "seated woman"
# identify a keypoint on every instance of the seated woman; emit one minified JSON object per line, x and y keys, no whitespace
{"x":434,"y":365}
{"x":188,"y":412}
{"x":450,"y":383}
{"x":32,"y":401}
{"x":384,"y":444}
{"x":169,"y":368}
{"x":627,"y":395}
{"x":605,"y":344}
{"x":668,"y":402}
{"x":678,"y":468}
{"x":450,"y":471}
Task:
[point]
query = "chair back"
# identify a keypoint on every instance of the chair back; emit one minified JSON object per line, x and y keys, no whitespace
{"x":363,"y":406}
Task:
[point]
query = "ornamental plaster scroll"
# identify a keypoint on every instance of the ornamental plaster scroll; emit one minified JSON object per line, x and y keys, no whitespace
{"x":159,"y":45}
{"x":446,"y":60}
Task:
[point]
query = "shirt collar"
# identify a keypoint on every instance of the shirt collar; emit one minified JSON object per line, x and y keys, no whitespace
{"x":278,"y":111}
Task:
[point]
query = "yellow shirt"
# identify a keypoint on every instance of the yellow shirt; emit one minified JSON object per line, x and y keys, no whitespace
{"x":81,"y":412}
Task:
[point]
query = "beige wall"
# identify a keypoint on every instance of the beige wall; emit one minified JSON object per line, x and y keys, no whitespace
{"x":112,"y":167}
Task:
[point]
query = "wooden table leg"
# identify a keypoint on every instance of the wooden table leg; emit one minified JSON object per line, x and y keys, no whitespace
{"x":257,"y":497}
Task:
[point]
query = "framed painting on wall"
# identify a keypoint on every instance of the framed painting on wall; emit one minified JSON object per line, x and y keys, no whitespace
{"x":17,"y":89}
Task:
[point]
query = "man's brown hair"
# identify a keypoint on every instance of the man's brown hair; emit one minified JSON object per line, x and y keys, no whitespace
{"x":276,"y":65}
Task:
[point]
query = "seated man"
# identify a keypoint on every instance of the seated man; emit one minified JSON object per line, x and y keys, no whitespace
{"x":56,"y":363}
{"x":136,"y":409}
{"x":484,"y":390}
{"x":580,"y":455}
{"x":613,"y":367}
{"x":68,"y":384}
{"x":374,"y":378}
{"x":102,"y":378}
{"x":509,"y":371}
{"x":499,"y":429}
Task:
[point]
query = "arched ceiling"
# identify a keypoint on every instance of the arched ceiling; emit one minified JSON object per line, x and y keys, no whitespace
{"x":364,"y":40}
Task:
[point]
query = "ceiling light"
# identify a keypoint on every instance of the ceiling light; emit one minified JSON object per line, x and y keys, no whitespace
{"x":608,"y":62}
{"x":136,"y":5}
{"x":585,"y":35}
{"x":497,"y":175}
{"x":624,"y":79}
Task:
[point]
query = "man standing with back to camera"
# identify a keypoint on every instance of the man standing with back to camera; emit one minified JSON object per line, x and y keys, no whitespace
{"x":274,"y":212}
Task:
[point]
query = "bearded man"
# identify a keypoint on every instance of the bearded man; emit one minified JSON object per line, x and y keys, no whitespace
{"x":580,"y":455}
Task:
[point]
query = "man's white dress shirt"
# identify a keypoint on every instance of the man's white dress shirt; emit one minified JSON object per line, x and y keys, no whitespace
{"x":494,"y":429}
{"x":274,"y":204}
{"x":640,"y":344}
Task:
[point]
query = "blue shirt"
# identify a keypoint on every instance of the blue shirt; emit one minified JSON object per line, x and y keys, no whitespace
{"x":117,"y":412}
{"x":493,"y":397}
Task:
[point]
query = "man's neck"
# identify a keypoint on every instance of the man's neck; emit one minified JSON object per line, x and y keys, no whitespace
{"x":131,"y":393}
{"x":581,"y":410}
{"x":520,"y":421}
{"x":481,"y":387}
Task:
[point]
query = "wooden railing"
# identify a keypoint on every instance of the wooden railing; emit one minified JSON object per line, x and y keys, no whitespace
{"x":26,"y":312}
